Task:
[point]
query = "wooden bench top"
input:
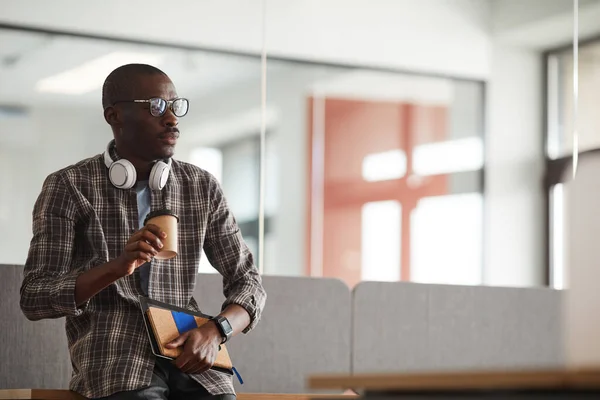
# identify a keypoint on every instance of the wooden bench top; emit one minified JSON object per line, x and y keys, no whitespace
{"x":44,"y":394}
{"x":275,"y":396}
{"x":523,"y":379}
{"x":39,"y":394}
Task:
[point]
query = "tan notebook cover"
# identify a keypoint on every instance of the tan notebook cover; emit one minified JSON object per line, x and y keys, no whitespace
{"x":165,"y":331}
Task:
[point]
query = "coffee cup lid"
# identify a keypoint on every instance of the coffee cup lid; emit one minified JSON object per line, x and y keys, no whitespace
{"x":159,"y":213}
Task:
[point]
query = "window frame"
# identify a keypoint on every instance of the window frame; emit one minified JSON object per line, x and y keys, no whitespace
{"x":555,"y":168}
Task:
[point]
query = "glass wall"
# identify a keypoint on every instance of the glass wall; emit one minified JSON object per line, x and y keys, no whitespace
{"x":560,"y":140}
{"x":51,"y":113}
{"x":369,"y":174}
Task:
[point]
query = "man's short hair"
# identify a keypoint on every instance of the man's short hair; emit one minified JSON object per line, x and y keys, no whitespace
{"x":119,"y":84}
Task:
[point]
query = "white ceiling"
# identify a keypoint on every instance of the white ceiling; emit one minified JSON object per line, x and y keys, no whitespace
{"x":542,"y":24}
{"x":440,"y":36}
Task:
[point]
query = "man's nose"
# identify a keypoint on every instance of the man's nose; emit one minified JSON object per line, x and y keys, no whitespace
{"x":169,"y":119}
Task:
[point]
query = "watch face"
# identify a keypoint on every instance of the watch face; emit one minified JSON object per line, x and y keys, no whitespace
{"x":226,"y":326}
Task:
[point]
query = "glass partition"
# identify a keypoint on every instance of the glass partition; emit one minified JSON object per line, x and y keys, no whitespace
{"x":370,"y":174}
{"x":51,"y":116}
{"x":559,"y":139}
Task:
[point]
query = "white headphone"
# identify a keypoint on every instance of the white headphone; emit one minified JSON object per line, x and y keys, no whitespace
{"x":122,"y":172}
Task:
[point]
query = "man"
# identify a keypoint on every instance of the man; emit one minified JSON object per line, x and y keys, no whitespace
{"x":91,"y":256}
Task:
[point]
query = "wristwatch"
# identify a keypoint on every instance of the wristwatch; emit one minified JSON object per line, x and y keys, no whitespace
{"x":224,"y":327}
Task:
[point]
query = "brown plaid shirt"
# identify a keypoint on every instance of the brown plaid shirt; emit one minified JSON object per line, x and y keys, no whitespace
{"x":80,"y":221}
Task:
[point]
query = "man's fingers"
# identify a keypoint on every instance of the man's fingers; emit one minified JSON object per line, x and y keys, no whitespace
{"x":188,"y":368}
{"x":139,"y":251}
{"x":152,"y":239}
{"x":148,"y":236}
{"x":146,"y":247}
{"x":183,"y":362}
{"x":140,"y":255}
{"x":197,"y":367}
{"x":178,"y":341}
{"x":150,"y":233}
{"x":156,"y":230}
{"x":141,"y":246}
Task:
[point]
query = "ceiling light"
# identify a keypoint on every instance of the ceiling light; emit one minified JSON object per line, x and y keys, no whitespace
{"x":91,"y":75}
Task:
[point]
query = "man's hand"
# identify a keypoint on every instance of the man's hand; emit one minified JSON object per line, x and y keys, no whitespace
{"x":141,"y":248}
{"x":200,"y":348}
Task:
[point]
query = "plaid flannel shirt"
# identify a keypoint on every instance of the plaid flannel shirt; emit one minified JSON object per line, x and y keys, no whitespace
{"x":80,"y":220}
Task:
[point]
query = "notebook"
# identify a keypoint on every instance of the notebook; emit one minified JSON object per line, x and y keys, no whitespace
{"x":165,"y":322}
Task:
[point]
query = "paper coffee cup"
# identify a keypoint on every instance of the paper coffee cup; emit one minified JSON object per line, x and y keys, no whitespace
{"x":167,"y":221}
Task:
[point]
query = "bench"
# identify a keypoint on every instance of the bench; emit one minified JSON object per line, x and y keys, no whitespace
{"x":47,"y":394}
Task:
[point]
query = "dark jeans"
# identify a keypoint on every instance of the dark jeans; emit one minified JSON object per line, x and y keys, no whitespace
{"x":168,"y":382}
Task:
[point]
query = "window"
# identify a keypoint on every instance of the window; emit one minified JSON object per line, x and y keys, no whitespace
{"x":396,"y":180}
{"x":449,"y":156}
{"x":446,"y":239}
{"x":380,"y":243}
{"x":209,"y":159}
{"x":383,"y":166}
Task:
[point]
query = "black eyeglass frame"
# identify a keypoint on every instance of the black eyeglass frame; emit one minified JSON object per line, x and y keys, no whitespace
{"x":169,"y":105}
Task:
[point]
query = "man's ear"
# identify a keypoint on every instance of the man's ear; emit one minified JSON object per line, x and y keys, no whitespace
{"x":112,"y":117}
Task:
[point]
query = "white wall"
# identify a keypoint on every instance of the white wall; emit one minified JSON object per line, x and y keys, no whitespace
{"x":514,"y":171}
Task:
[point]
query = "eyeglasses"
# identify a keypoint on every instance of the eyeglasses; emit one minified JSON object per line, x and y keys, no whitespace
{"x":158,"y":106}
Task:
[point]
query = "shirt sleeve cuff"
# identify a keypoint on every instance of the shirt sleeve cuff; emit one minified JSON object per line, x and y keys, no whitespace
{"x":248,"y":302}
{"x":63,"y":296}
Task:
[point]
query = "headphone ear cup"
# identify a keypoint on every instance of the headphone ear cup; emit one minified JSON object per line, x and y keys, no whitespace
{"x":122,"y":174}
{"x":159,"y":175}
